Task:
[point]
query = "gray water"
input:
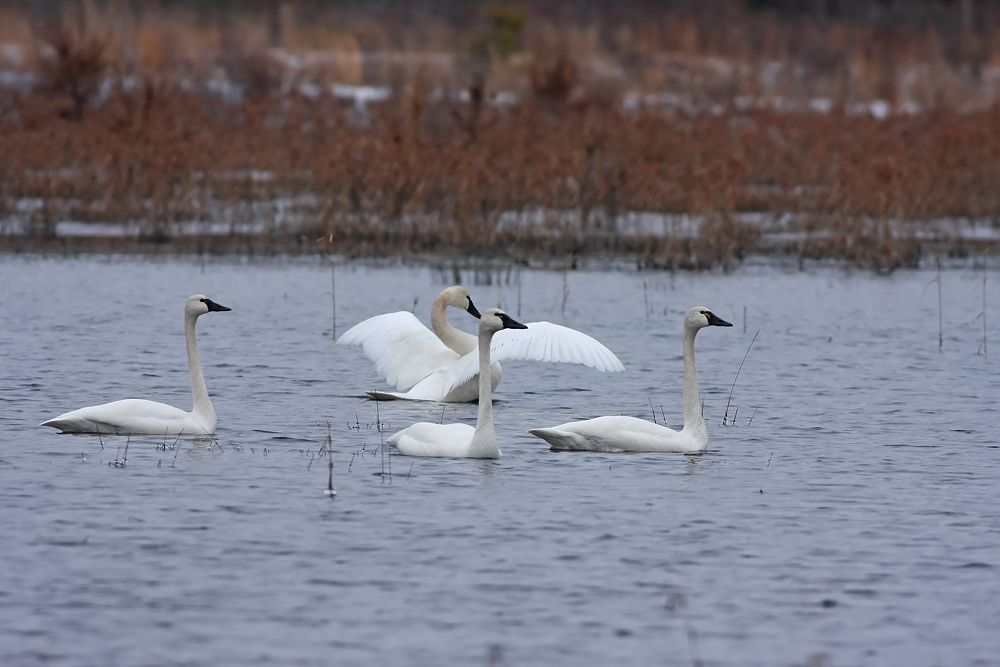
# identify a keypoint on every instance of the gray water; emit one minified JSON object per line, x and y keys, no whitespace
{"x":849,"y":517}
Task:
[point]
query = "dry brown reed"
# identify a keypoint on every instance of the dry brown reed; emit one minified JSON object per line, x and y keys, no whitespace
{"x":127,"y":128}
{"x":425,"y":177}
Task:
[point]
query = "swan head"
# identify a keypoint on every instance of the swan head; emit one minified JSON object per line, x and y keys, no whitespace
{"x":700,"y":317}
{"x":459,"y":297}
{"x":199,"y":304}
{"x":494,"y":319}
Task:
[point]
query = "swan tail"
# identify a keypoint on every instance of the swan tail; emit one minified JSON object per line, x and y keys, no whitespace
{"x":58,"y":423}
{"x":82,"y":425}
{"x":558,"y":440}
{"x":386,"y":396}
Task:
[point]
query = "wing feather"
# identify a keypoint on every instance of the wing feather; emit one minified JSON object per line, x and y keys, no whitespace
{"x":403,"y":349}
{"x":541,"y":341}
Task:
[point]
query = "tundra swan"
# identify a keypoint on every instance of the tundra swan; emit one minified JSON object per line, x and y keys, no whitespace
{"x":628,"y":434}
{"x":443,"y":365}
{"x":138,"y":416}
{"x":461,"y":440}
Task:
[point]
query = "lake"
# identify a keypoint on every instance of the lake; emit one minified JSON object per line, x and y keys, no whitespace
{"x":848,"y":516}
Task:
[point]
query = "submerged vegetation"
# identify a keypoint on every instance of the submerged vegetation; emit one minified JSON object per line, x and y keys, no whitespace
{"x":684,"y":143}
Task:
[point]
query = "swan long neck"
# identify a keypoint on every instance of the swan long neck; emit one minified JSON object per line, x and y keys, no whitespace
{"x":485,"y":437}
{"x":202,"y":403}
{"x":454,"y":338}
{"x":692,"y":397}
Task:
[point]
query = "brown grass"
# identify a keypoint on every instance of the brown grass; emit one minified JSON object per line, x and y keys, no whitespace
{"x":426,"y":173}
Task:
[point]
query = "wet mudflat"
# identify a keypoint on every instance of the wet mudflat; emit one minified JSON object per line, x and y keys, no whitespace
{"x":852,"y":521}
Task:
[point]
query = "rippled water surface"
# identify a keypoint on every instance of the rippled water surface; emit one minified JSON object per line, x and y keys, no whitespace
{"x":853,"y":521}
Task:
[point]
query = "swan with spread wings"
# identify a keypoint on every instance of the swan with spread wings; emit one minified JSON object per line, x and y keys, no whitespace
{"x":443,"y":364}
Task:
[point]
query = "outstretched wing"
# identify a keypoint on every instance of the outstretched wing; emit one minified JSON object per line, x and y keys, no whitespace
{"x":541,"y":341}
{"x":403,"y":349}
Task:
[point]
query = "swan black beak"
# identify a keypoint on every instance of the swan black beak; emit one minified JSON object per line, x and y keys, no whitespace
{"x":510,"y":323}
{"x":213,"y":307}
{"x":471,"y":310}
{"x":715,"y":321}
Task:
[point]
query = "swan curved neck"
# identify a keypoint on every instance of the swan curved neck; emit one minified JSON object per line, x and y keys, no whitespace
{"x":693,"y":420}
{"x":202,"y":403}
{"x":454,"y":338}
{"x":484,"y":440}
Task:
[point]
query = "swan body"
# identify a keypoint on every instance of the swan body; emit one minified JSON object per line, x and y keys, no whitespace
{"x":629,"y":434}
{"x":443,"y":365}
{"x":461,"y":440}
{"x":138,"y":416}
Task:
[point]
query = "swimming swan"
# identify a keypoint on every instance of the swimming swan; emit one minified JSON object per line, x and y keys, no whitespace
{"x":628,"y":434}
{"x":461,"y":440}
{"x":443,"y":365}
{"x":137,"y":416}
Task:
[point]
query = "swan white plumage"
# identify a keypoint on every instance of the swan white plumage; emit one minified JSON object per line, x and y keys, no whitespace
{"x":138,"y":416}
{"x":461,"y":440}
{"x":629,"y":434}
{"x":443,"y":365}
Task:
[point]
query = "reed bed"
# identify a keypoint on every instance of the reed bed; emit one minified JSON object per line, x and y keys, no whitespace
{"x":518,"y":151}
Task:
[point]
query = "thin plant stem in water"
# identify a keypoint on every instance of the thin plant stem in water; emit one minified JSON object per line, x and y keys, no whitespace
{"x":982,"y":344}
{"x":766,"y":467}
{"x":519,"y":290}
{"x":645,"y":298}
{"x":937,"y":279}
{"x":386,"y":468}
{"x":725,"y":417}
{"x":328,"y":446}
{"x":176,"y":440}
{"x":940,"y":309}
{"x":565,"y":291}
{"x":333,"y":293}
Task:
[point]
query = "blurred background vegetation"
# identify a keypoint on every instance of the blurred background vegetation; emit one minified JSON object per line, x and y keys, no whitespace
{"x":859,"y":129}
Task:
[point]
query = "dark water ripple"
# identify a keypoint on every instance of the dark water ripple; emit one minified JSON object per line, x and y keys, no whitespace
{"x":853,"y":522}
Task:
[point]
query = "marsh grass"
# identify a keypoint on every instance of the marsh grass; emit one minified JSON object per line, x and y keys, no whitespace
{"x":381,"y":450}
{"x":558,"y":172}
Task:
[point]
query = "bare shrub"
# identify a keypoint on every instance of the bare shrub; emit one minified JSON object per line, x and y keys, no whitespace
{"x":74,"y":69}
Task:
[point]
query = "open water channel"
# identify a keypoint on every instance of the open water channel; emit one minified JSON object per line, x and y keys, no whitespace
{"x":850,"y":516}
